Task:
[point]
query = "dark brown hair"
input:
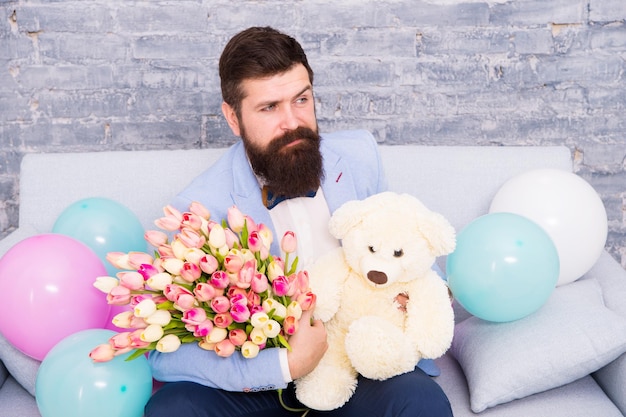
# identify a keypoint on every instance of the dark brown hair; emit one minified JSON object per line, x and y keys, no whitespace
{"x":254,"y":53}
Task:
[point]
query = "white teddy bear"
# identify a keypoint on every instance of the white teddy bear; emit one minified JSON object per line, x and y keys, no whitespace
{"x":389,"y":244}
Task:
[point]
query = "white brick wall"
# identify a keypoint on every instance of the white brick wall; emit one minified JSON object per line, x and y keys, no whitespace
{"x":113,"y":74}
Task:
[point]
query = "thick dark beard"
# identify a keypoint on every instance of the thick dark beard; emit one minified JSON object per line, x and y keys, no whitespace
{"x":292,"y":171}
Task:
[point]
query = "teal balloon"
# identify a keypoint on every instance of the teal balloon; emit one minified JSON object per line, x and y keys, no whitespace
{"x":70,"y":384}
{"x":103,"y":225}
{"x":504,"y":267}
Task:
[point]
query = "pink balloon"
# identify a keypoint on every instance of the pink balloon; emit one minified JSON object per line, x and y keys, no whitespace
{"x":47,"y":292}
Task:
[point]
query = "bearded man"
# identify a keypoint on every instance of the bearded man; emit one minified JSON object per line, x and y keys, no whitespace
{"x":285,"y":175}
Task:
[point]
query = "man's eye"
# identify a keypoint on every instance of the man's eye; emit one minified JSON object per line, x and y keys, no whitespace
{"x":371,"y":248}
{"x":398,"y":253}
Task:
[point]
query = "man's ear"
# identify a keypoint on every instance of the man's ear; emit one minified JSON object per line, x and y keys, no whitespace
{"x":231,"y":118}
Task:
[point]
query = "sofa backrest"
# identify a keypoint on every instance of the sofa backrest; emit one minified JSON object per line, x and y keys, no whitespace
{"x":458,"y":182}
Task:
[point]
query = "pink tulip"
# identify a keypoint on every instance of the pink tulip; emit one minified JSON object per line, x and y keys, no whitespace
{"x":280,"y":286}
{"x":203,"y":329}
{"x":225,"y":348}
{"x":223,"y":320}
{"x":119,"y":260}
{"x":231,"y":238}
{"x":137,"y":323}
{"x":237,"y":297}
{"x":135,"y":299}
{"x":233,"y":262}
{"x":131,"y":279}
{"x":250,"y":224}
{"x":147,"y":271}
{"x":194,"y":316}
{"x":240,"y":312}
{"x":167,"y":223}
{"x":192,"y":221}
{"x":185,"y":302}
{"x":135,"y":259}
{"x":235,"y":219}
{"x":219,"y":279}
{"x":204,"y":291}
{"x":307,"y":300}
{"x":254,"y":299}
{"x":301,"y":282}
{"x":199,"y":209}
{"x":255,"y":243}
{"x":289,"y":243}
{"x":155,"y":238}
{"x":191,"y":239}
{"x":190,"y":272}
{"x":246,"y":274}
{"x":259,"y":283}
{"x":290,"y":325}
{"x":220,"y":304}
{"x":208,"y":264}
{"x":171,"y":221}
{"x":136,"y":342}
{"x":120,"y":340}
{"x":237,"y":336}
{"x":119,"y":296}
{"x":102,"y":353}
{"x":172,"y":292}
{"x":257,"y":308}
{"x":165,"y":251}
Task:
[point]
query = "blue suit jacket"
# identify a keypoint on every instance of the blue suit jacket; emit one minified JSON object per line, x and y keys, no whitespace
{"x":352,"y":170}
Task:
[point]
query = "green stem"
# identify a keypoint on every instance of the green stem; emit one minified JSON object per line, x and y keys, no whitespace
{"x":286,"y":407}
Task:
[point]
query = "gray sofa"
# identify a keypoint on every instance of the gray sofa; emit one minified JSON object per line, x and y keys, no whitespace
{"x":541,"y":367}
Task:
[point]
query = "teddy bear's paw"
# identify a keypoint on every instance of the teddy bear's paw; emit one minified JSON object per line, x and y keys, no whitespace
{"x":326,"y":392}
{"x":379,"y":350}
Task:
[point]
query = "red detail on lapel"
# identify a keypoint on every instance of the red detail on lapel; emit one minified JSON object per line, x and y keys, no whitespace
{"x":340,"y":174}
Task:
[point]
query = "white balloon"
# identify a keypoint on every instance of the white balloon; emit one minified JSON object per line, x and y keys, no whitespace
{"x":569,"y":210}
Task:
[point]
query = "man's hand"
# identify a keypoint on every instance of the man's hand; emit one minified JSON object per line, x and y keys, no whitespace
{"x":308,"y":345}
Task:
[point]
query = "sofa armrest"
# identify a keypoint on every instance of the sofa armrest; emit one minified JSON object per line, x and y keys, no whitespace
{"x":612,"y":278}
{"x":23,"y":368}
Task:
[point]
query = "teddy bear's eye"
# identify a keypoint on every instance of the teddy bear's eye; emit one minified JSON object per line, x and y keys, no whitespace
{"x":371,"y":248}
{"x":398,"y":253}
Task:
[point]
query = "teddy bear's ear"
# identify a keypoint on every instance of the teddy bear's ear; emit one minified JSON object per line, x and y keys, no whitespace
{"x":435,"y":228}
{"x":352,"y":213}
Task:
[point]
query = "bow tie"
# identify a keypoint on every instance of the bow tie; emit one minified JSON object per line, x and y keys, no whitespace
{"x":270,"y":200}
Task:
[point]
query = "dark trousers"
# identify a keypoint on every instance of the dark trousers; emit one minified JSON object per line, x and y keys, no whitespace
{"x":413,"y":394}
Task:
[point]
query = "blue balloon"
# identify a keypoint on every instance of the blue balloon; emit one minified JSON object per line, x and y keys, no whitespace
{"x":70,"y":384}
{"x":504,"y":267}
{"x":104,"y":226}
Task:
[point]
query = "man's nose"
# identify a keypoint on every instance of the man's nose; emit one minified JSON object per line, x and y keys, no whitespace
{"x":289,"y":119}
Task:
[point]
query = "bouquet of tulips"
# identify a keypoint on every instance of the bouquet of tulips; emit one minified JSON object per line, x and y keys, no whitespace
{"x":212,"y":283}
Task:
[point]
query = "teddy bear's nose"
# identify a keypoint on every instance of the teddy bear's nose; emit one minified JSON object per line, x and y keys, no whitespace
{"x":377,"y":277}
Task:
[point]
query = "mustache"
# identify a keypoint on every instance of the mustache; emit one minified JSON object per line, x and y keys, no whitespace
{"x":304,"y":133}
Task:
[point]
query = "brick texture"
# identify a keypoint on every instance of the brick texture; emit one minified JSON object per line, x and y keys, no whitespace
{"x":113,"y":74}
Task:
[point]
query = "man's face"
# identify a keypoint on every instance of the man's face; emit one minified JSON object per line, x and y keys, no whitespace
{"x":278,"y":126}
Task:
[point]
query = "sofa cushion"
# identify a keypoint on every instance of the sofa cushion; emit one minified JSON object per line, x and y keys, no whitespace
{"x":581,"y":398}
{"x":572,"y":335}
